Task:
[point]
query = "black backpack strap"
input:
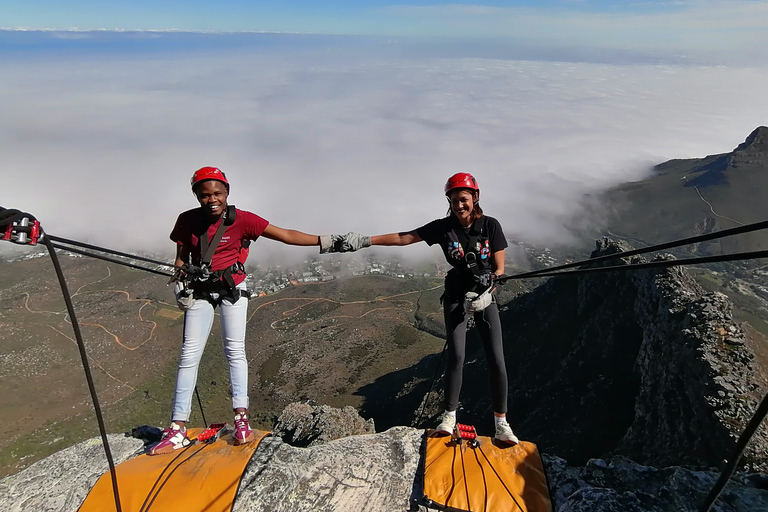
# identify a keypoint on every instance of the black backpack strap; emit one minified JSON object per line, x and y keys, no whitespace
{"x":231,"y":215}
{"x":207,"y":249}
{"x":470,"y":242}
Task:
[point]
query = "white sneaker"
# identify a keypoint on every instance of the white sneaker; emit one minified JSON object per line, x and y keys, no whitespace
{"x":447,"y":423}
{"x":504,"y":433}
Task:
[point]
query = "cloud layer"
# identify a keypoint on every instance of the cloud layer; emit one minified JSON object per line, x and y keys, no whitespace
{"x":346,"y":140}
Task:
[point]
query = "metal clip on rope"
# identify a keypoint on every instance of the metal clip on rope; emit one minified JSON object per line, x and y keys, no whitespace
{"x":20,"y":228}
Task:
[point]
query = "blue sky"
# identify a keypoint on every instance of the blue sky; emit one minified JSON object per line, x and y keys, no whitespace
{"x":682,"y":24}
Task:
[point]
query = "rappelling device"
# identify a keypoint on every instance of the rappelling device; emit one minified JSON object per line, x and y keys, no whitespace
{"x":466,"y":433}
{"x":213,"y":432}
{"x":19,"y":227}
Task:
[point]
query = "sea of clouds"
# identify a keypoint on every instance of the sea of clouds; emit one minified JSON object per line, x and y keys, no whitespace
{"x":100,"y":144}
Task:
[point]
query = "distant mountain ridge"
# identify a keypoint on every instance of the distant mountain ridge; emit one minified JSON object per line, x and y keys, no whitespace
{"x":688,"y":197}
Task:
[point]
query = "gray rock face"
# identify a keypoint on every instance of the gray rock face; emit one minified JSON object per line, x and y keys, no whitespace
{"x":620,"y":485}
{"x":302,"y":425}
{"x":62,"y":481}
{"x":371,"y":472}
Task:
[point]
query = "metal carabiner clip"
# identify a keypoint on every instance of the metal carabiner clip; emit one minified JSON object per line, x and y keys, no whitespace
{"x":471,"y":259}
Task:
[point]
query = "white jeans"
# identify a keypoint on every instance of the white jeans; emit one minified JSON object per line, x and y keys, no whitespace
{"x":198,"y":321}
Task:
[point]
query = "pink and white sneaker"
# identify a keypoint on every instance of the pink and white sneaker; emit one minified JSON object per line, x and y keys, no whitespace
{"x":243,"y":433}
{"x":174,"y":438}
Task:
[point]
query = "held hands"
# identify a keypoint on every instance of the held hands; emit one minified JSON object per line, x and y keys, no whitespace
{"x":330,"y":243}
{"x":354,"y":241}
{"x":350,"y":242}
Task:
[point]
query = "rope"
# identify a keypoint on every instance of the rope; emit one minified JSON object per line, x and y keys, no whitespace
{"x":86,"y":368}
{"x":500,"y":479}
{"x":653,"y":248}
{"x":463,"y":474}
{"x":200,"y":403}
{"x":157,"y":493}
{"x":653,"y":264}
{"x":108,"y":251}
{"x":157,"y":480}
{"x":741,"y":445}
{"x":112,"y":260}
{"x":485,"y":482}
{"x":431,"y":386}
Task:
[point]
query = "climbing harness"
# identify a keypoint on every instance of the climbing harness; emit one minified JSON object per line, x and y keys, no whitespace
{"x":200,"y":282}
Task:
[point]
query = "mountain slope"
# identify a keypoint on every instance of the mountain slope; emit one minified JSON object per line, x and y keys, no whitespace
{"x":694,"y":196}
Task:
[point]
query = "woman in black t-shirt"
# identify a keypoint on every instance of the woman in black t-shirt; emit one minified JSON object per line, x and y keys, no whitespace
{"x":474,"y":246}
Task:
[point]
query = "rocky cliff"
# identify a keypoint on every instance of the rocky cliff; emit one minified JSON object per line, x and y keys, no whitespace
{"x":629,"y":382}
{"x":377,"y":473}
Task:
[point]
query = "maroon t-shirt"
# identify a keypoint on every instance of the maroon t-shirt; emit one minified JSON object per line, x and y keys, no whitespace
{"x":191,"y":225}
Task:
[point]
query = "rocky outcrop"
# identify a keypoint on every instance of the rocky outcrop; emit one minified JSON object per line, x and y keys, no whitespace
{"x":753,"y":152}
{"x":61,"y":481}
{"x":301,"y":424}
{"x":621,"y":485}
{"x":380,"y":473}
{"x":643,"y":364}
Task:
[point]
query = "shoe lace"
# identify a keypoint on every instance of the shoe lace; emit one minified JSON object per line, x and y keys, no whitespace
{"x":241,"y":422}
{"x":170,"y":432}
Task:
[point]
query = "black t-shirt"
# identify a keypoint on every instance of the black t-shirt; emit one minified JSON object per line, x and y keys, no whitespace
{"x":453,"y":238}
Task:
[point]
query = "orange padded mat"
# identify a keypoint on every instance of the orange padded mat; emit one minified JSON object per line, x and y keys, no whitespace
{"x":202,"y":477}
{"x":494,"y":477}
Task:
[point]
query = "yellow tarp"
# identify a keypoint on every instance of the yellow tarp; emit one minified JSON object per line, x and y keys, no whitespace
{"x":495,"y":477}
{"x":202,"y":477}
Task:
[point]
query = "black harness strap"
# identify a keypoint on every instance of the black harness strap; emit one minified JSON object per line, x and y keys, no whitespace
{"x":469,"y":244}
{"x":220,"y":281}
{"x":207,"y":250}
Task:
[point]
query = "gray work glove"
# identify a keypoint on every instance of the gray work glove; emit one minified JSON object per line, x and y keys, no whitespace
{"x":184,"y":298}
{"x":352,"y":242}
{"x":330,"y":243}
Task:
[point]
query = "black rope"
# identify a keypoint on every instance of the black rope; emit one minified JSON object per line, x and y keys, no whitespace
{"x":86,"y":367}
{"x":112,"y":260}
{"x":485,"y":482}
{"x":464,"y":474}
{"x":157,"y":480}
{"x":431,"y":386}
{"x":157,"y":493}
{"x":106,"y":250}
{"x":741,"y":445}
{"x":653,"y":248}
{"x":200,"y":403}
{"x":500,"y":479}
{"x":655,"y":264}
{"x":453,"y":477}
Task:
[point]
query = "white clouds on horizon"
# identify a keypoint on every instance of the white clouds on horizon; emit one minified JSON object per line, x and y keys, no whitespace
{"x":731,"y":29}
{"x":107,"y":144}
{"x":700,"y":26}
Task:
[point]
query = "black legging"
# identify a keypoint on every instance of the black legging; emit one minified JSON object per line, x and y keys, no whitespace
{"x":489,"y":325}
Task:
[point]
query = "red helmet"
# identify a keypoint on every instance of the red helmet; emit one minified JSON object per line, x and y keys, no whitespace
{"x":208,"y":173}
{"x":461,"y":180}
